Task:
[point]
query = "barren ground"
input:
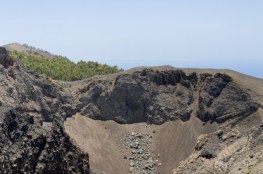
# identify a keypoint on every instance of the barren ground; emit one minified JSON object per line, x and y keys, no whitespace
{"x":173,"y":141}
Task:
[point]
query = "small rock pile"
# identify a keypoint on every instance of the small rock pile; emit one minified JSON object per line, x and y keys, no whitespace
{"x":138,"y":152}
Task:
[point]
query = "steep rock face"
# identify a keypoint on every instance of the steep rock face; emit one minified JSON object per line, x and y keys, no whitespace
{"x":31,"y":124}
{"x":132,"y":98}
{"x":159,"y":96}
{"x":220,"y":99}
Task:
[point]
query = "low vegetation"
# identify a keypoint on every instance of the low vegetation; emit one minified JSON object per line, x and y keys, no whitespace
{"x":61,"y":68}
{"x":147,"y":70}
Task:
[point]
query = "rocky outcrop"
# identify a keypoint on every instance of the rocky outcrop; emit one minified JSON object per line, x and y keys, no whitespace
{"x":31,"y":124}
{"x":160,"y":96}
{"x":27,"y":146}
{"x":235,"y":149}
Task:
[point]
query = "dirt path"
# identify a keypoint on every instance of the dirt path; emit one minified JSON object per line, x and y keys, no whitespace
{"x":135,"y":148}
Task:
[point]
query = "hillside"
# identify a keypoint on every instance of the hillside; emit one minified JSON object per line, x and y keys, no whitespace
{"x":29,"y":49}
{"x":146,"y":120}
{"x":57,"y":67}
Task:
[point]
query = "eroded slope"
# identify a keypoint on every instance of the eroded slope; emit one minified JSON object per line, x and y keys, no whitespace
{"x":31,"y":124}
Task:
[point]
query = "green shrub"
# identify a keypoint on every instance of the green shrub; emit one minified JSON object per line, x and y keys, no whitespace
{"x":61,"y":68}
{"x":146,"y":70}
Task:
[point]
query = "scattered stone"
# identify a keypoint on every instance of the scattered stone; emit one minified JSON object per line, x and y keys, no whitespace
{"x":131,"y":169}
{"x":224,"y":137}
{"x":139,"y":135}
{"x":138,"y":152}
{"x":207,"y":154}
{"x":219,"y":132}
{"x":132,"y":164}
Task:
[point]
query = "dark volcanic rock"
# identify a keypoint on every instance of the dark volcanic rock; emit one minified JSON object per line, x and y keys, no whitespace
{"x":218,"y":90}
{"x":159,"y":96}
{"x":31,"y":147}
{"x":31,"y":124}
{"x":207,"y":154}
{"x":151,"y":97}
{"x":5,"y":60}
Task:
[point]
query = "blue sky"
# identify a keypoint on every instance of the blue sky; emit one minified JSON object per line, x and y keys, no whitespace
{"x":128,"y":33}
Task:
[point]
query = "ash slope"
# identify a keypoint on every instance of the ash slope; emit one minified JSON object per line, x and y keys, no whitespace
{"x":31,"y":124}
{"x":166,"y":94}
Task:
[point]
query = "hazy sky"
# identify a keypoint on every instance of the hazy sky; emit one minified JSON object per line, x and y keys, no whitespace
{"x":129,"y":33}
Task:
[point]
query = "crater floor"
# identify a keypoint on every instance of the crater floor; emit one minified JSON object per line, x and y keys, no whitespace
{"x":135,"y":148}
